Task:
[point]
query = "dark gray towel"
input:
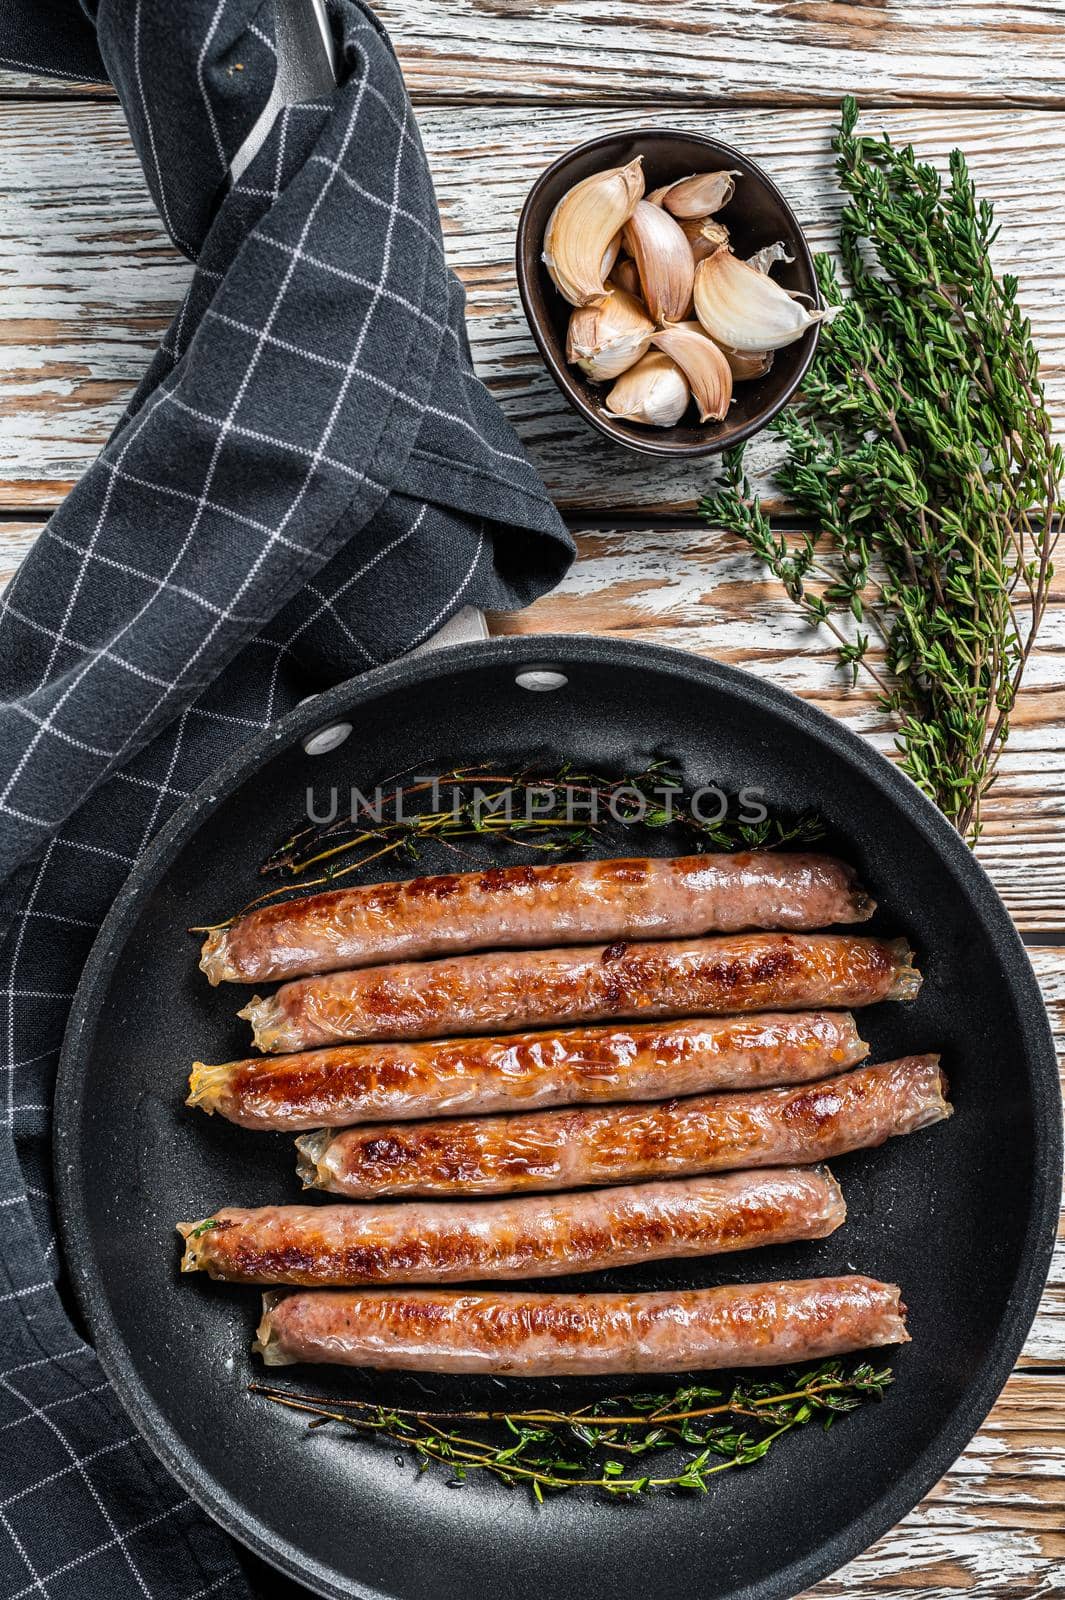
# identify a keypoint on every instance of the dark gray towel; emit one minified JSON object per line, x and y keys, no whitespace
{"x":308,"y":481}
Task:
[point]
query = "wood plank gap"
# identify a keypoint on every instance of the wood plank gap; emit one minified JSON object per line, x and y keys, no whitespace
{"x":661,"y":99}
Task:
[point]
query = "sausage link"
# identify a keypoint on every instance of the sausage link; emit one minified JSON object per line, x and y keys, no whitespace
{"x":528,"y":1237}
{"x":627,"y":1143}
{"x":507,"y":990}
{"x":582,"y":902}
{"x":509,"y":1333}
{"x":367,"y":1083}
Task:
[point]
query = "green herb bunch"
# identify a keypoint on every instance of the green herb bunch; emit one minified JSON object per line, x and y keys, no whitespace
{"x":601,"y":1446}
{"x":920,"y":453}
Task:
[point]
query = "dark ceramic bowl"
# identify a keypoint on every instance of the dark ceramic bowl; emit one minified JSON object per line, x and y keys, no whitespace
{"x":757,"y":215}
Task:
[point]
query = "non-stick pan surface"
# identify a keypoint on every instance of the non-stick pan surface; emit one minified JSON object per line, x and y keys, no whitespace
{"x":962,"y":1216}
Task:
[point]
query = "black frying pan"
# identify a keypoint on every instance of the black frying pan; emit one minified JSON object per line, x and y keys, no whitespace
{"x":963,"y":1216}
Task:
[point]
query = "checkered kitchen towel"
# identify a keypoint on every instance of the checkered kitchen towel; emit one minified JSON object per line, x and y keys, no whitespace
{"x":308,"y":481}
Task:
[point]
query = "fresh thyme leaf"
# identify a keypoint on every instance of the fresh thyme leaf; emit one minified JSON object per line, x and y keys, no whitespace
{"x":921,"y":454}
{"x":554,"y":1451}
{"x":204,"y":1227}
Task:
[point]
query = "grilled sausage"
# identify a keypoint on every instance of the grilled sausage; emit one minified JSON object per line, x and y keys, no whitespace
{"x":510,"y":1333}
{"x":528,"y":1237}
{"x":502,"y":907}
{"x":520,"y":989}
{"x":365,"y":1083}
{"x":623,"y":1144}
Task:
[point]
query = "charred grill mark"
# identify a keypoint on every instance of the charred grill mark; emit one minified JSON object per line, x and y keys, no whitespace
{"x":504,"y":880}
{"x":817,"y":1107}
{"x":441,"y":887}
{"x":758,"y":970}
{"x":385,"y":1152}
{"x":634,"y":870}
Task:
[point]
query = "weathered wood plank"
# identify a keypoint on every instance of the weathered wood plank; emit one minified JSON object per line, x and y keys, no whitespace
{"x":739,"y":52}
{"x":90,"y":280}
{"x":16,"y":537}
{"x":994,"y":1526}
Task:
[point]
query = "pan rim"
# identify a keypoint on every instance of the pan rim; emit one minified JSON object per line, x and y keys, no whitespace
{"x":530,"y":651}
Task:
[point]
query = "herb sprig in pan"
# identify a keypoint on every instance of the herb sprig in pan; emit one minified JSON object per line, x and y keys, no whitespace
{"x":543,"y":810}
{"x":708,"y":1430}
{"x":921,"y":455}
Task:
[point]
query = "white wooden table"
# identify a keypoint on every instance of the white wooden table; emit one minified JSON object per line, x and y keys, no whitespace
{"x":502,"y":86}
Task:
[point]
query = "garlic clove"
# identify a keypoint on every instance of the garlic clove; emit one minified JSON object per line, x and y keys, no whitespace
{"x":656,"y":196}
{"x":703,"y":364}
{"x":581,"y":230}
{"x":704,"y":235}
{"x":746,"y":309}
{"x":747,"y":364}
{"x":765,"y":260}
{"x":654,"y":391}
{"x":700,"y":195}
{"x":606,"y":339}
{"x":626,"y":276}
{"x":663,"y":259}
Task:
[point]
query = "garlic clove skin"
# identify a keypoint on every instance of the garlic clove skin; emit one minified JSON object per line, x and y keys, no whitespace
{"x":765,"y":260}
{"x":654,"y":391}
{"x":703,"y":364}
{"x":745,"y":309}
{"x":606,"y":339}
{"x":663,"y":259}
{"x":700,"y":195}
{"x":581,"y":229}
{"x":626,"y":276}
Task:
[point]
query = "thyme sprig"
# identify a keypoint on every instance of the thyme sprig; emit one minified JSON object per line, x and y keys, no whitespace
{"x":921,"y":455}
{"x":711,"y":1430}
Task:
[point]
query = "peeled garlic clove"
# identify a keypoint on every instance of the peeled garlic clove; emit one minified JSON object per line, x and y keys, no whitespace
{"x":700,"y":195}
{"x":663,"y":259}
{"x":746,"y":364}
{"x":746,"y":309}
{"x":626,"y":276}
{"x":581,"y":229}
{"x":704,"y":235}
{"x":654,"y":391}
{"x":703,"y":364}
{"x":605,"y":340}
{"x":765,"y":260}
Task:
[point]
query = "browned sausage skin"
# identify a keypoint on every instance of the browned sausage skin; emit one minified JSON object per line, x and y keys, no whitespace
{"x":367,"y":1083}
{"x":508,"y":990}
{"x":564,"y":1335}
{"x":504,"y":907}
{"x":626,"y":1143}
{"x":528,"y":1237}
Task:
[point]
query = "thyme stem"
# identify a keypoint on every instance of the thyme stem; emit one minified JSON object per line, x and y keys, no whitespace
{"x":712,"y":1430}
